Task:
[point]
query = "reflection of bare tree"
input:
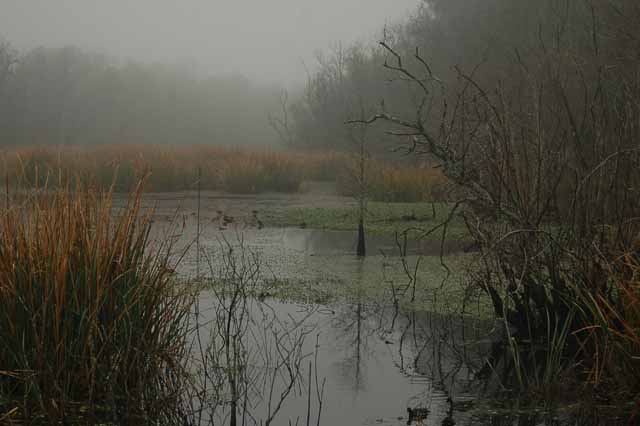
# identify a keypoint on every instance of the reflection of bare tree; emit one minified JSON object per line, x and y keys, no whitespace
{"x":355,"y":325}
{"x":441,"y":348}
{"x":514,"y":417}
{"x":249,"y":358}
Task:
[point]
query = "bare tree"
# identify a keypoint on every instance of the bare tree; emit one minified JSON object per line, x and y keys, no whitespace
{"x":545,"y":155}
{"x":281,"y":125}
{"x":8,"y":60}
{"x":359,"y":176}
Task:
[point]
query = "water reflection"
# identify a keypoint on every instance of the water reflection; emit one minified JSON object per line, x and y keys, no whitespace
{"x":360,"y":361}
{"x":379,"y":362}
{"x":374,"y":368}
{"x":354,"y":337}
{"x":326,"y":242}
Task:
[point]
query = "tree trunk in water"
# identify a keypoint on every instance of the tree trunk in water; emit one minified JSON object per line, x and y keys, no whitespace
{"x":233,"y":420}
{"x":361,"y":251}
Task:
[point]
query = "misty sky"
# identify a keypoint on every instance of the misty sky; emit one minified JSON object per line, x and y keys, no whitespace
{"x":266,"y":40}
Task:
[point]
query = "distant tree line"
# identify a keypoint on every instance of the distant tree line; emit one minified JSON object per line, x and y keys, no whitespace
{"x":69,"y":96}
{"x":488,"y":38}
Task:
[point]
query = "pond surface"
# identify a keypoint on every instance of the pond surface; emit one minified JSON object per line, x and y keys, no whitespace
{"x":375,"y":357}
{"x":378,"y":362}
{"x":292,"y":253}
{"x":375,"y":362}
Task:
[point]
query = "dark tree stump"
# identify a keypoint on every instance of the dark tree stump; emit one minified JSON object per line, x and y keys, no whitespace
{"x":361,"y":250}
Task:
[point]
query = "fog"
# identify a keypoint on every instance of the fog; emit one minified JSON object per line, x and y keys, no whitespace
{"x":267,"y":41}
{"x":450,"y":189}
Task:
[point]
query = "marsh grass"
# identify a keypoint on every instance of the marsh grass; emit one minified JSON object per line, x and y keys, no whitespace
{"x":169,"y":168}
{"x":594,"y":351}
{"x":396,"y":182}
{"x":258,"y":172}
{"x":409,"y":184}
{"x":242,"y":171}
{"x":611,"y":337}
{"x":542,"y":371}
{"x":91,"y":324}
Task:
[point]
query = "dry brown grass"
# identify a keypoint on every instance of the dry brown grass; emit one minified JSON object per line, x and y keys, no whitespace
{"x":245,"y":171}
{"x":169,"y":168}
{"x":612,"y":338}
{"x":396,"y":182}
{"x":90,"y":322}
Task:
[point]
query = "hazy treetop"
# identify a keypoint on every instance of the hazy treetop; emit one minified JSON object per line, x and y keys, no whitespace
{"x":266,"y":40}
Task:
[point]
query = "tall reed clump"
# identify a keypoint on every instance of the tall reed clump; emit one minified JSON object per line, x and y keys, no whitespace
{"x":396,"y":182}
{"x":407,"y":184}
{"x":91,"y":323}
{"x":258,"y":172}
{"x":611,"y":337}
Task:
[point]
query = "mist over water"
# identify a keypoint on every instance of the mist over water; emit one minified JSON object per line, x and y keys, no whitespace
{"x":431,"y":204}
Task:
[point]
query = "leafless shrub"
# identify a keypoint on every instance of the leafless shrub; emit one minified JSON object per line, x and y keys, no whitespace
{"x":249,"y":358}
{"x":546,"y":154}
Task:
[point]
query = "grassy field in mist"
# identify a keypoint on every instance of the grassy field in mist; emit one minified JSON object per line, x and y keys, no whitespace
{"x":233,"y":170}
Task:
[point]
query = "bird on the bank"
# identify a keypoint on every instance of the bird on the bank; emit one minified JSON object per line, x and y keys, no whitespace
{"x":223,"y":219}
{"x":417,"y":415}
{"x":448,"y":421}
{"x":252,"y":220}
{"x":257,"y":221}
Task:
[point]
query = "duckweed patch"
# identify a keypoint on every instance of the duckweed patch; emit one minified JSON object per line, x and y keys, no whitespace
{"x":436,"y":289}
{"x":381,"y":218}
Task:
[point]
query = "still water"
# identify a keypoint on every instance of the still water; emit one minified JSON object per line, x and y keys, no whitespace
{"x":375,"y":360}
{"x":375,"y":363}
